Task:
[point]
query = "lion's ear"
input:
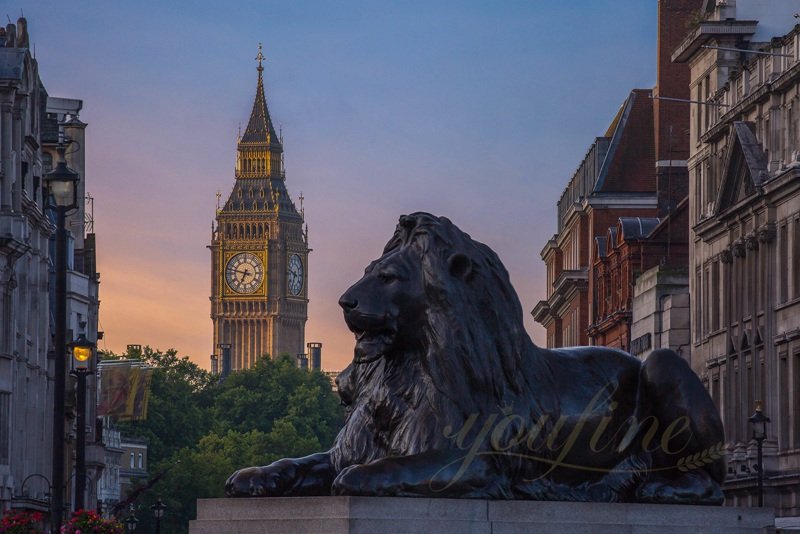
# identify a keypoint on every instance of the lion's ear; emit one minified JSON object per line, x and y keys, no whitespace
{"x":460,"y":266}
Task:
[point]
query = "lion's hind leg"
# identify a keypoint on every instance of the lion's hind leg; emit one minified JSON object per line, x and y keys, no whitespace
{"x":688,"y":464}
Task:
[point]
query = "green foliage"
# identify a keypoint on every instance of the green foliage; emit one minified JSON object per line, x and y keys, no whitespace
{"x":202,"y":430}
{"x":180,"y":397}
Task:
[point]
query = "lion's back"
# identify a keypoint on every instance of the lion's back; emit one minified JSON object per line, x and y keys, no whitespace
{"x":586,"y":372}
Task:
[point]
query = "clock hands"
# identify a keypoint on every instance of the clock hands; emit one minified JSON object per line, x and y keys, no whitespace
{"x":245,"y":273}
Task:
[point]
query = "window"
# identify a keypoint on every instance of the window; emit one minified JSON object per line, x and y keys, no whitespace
{"x":133,"y":463}
{"x":47,"y":162}
{"x":697,"y":304}
{"x":795,"y":408}
{"x":783,"y":263}
{"x":706,"y":98}
{"x":707,"y":298}
{"x":795,"y":261}
{"x":141,"y":461}
{"x":5,"y":427}
{"x":716,"y":296}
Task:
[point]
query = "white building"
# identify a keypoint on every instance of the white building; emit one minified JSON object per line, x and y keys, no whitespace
{"x":25,"y":369}
{"x":744,"y":213}
{"x":30,"y":125}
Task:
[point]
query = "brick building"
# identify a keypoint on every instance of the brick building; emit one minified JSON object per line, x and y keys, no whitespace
{"x":633,"y":176}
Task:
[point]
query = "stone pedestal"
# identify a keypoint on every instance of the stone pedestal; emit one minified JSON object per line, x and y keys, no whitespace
{"x":376,"y":515}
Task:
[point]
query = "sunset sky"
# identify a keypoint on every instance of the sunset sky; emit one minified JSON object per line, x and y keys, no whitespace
{"x":479,"y":111}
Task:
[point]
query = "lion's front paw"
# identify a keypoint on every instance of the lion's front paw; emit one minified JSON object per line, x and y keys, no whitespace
{"x":252,"y":482}
{"x":361,"y":480}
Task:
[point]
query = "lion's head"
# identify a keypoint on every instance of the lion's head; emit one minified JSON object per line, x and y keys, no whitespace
{"x":439,"y":336}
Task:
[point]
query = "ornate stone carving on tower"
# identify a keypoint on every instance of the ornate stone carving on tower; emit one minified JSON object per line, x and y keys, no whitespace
{"x":259,"y":252}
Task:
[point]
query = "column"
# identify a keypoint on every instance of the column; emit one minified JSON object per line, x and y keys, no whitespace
{"x":16,"y":194}
{"x":6,"y":155}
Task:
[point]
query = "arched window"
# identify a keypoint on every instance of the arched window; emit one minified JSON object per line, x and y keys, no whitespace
{"x":47,"y":162}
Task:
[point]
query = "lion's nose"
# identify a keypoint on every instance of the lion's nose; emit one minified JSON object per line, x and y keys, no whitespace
{"x":347,"y":302}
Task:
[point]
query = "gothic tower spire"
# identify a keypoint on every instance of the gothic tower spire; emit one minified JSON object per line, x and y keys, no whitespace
{"x":259,"y":252}
{"x":259,"y":149}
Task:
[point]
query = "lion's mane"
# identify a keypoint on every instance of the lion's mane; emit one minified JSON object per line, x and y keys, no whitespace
{"x":474,"y":357}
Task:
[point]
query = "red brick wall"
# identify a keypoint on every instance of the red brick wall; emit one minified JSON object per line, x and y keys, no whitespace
{"x":672,"y":79}
{"x":671,"y":119}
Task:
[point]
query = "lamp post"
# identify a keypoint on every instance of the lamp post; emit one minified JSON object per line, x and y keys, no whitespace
{"x":158,"y":510}
{"x":82,"y":351}
{"x":62,"y":191}
{"x":759,"y":422}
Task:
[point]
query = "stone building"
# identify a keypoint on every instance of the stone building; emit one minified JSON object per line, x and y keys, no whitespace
{"x":259,"y":253}
{"x":744,"y":214}
{"x":109,"y":483}
{"x":31,"y":125}
{"x":133,"y":463}
{"x":62,"y":124}
{"x":631,"y":179}
{"x":25,"y":369}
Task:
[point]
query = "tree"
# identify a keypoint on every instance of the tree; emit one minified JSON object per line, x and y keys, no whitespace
{"x":276,"y":390}
{"x":200,"y":430}
{"x":197,"y":472}
{"x":179,"y":407}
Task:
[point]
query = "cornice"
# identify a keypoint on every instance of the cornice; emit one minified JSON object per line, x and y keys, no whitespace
{"x":707,"y":30}
{"x":780,"y":84}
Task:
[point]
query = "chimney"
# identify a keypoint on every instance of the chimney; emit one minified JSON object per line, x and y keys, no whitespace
{"x":671,"y":119}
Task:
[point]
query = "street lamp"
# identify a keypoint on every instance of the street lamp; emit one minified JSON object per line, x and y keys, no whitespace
{"x":61,"y":185}
{"x":759,"y":422}
{"x":131,"y":521}
{"x":158,"y":510}
{"x":82,"y":351}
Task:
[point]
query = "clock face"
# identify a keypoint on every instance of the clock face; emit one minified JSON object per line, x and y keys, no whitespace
{"x":295,"y":274}
{"x":244,"y":273}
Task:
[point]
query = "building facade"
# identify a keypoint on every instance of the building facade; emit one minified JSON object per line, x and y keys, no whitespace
{"x":745,"y":234}
{"x":614,"y":180}
{"x":32,"y":124}
{"x":62,"y":125}
{"x":133,"y":470}
{"x":26,"y":371}
{"x":259,"y":253}
{"x":633,"y":178}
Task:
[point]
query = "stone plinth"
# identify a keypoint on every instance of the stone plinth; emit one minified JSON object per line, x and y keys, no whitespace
{"x":376,"y":515}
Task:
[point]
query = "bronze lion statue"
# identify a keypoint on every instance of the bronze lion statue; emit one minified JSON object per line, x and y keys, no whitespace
{"x":448,"y":396}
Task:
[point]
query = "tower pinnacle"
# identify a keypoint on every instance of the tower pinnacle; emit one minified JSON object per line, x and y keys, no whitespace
{"x":259,"y":147}
{"x":260,"y":57}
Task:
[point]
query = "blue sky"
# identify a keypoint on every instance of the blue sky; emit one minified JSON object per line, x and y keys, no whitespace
{"x":480,"y":111}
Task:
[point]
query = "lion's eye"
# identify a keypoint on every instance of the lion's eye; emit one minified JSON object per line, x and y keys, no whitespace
{"x":387,"y":277}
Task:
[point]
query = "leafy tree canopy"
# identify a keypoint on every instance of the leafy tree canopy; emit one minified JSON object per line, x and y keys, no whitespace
{"x":200,"y":430}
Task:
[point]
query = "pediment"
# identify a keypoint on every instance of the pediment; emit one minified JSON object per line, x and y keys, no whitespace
{"x":745,"y":167}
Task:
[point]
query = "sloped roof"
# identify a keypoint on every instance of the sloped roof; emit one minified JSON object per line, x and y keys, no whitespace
{"x":259,"y":127}
{"x":611,"y":241}
{"x":259,"y":194}
{"x":600,"y":243}
{"x":630,"y":159}
{"x":635,"y":228}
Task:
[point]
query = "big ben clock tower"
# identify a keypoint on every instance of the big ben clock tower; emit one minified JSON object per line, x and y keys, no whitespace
{"x":259,"y":251}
